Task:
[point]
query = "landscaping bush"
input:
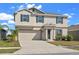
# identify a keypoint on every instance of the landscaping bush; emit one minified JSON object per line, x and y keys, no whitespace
{"x":58,"y":37}
{"x":69,"y":37}
{"x":64,"y":38}
{"x":10,"y":38}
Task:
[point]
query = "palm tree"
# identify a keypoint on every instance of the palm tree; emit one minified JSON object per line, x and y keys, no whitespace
{"x":0,"y":27}
{"x":15,"y":34}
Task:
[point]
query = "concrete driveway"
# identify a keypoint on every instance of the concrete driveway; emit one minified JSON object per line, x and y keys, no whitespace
{"x":43,"y":48}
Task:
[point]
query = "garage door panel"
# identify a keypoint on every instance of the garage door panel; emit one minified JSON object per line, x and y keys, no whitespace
{"x":29,"y":35}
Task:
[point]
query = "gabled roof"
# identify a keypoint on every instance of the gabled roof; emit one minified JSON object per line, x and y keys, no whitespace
{"x":22,"y":10}
{"x":36,"y":11}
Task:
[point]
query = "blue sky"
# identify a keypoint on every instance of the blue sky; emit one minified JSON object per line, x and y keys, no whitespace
{"x":69,"y":9}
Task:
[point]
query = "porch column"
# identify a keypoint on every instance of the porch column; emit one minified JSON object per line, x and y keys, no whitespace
{"x":51,"y":35}
{"x":46,"y":35}
{"x":54,"y":34}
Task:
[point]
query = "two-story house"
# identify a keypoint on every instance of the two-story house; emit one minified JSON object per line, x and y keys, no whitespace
{"x":33,"y":24}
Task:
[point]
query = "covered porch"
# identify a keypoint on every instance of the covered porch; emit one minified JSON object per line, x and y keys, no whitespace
{"x":49,"y":30}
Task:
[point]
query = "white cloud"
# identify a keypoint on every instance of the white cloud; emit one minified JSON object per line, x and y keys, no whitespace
{"x":5,"y":16}
{"x":76,"y":24}
{"x":39,"y":6}
{"x":58,"y":10}
{"x":4,"y":23}
{"x":12,"y":7}
{"x":69,"y":16}
{"x":68,"y":21}
{"x":21,"y":7}
{"x":30,"y":5}
{"x":11,"y":22}
{"x":72,"y":14}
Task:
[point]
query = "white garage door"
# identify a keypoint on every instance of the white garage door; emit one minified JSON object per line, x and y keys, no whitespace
{"x":29,"y":35}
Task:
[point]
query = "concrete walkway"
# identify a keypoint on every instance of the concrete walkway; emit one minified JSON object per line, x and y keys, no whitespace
{"x":42,"y":47}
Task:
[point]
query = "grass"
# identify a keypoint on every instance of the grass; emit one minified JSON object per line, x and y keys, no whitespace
{"x":7,"y":50}
{"x":68,"y":44}
{"x":9,"y":44}
{"x":65,"y":43}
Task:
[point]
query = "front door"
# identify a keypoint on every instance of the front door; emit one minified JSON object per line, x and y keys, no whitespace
{"x":49,"y":34}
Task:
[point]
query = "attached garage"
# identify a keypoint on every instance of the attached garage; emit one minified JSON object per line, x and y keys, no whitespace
{"x":29,"y":35}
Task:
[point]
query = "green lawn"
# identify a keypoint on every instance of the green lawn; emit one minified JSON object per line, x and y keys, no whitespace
{"x":9,"y":44}
{"x":65,"y":43}
{"x":7,"y":50}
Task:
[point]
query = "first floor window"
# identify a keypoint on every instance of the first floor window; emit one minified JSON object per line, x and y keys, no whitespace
{"x":24,"y":18}
{"x":58,"y":31}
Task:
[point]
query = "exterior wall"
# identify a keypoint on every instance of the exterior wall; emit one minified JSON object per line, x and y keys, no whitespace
{"x":32,"y":23}
{"x":65,"y":31}
{"x":32,"y":20}
{"x":44,"y":34}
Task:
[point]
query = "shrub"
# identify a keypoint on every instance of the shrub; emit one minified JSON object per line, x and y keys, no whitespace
{"x":58,"y":37}
{"x":63,"y":37}
{"x":69,"y":37}
{"x":9,"y":38}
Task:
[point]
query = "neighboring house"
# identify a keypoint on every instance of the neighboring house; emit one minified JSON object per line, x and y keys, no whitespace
{"x":3,"y":34}
{"x":33,"y":24}
{"x":74,"y":31}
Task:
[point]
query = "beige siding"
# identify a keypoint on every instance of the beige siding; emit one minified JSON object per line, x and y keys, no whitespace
{"x":35,"y":33}
{"x":65,"y":31}
{"x":32,"y":20}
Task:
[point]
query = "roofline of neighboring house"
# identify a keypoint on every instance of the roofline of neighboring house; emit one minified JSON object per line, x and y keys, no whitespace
{"x":74,"y":27}
{"x":45,"y":14}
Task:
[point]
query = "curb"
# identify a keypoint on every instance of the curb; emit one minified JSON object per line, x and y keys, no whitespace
{"x":10,"y":47}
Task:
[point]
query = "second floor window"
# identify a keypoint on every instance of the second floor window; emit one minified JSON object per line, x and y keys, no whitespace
{"x":59,"y":20}
{"x":58,"y":31}
{"x":24,"y":18}
{"x":40,"y":19}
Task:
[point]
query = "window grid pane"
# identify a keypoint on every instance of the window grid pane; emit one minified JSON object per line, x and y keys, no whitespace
{"x":25,"y":18}
{"x":59,"y":20}
{"x":40,"y":19}
{"x":58,"y":31}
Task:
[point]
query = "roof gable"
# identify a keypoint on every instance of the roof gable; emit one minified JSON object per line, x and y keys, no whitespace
{"x":22,"y":10}
{"x":34,"y":10}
